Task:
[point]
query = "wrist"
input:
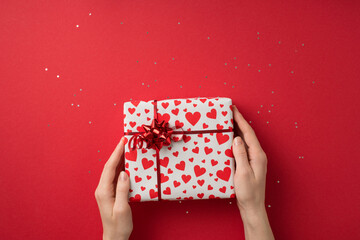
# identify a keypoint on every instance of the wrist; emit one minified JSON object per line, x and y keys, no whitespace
{"x":253,"y":216}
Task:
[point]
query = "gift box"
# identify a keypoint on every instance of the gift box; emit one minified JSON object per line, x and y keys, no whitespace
{"x":179,"y":149}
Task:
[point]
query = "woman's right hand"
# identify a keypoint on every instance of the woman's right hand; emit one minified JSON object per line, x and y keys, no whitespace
{"x":250,"y":180}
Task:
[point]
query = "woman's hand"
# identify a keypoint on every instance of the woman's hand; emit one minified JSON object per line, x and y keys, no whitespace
{"x":112,"y":198}
{"x":249,"y":180}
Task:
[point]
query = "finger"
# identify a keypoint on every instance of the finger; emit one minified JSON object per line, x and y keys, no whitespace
{"x":259,"y":165}
{"x":122,"y":192}
{"x":257,"y":157}
{"x":247,"y":131}
{"x":104,"y":193}
{"x":240,"y":155}
{"x":109,"y":172}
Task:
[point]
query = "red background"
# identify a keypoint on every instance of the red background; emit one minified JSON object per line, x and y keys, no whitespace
{"x":296,"y":63}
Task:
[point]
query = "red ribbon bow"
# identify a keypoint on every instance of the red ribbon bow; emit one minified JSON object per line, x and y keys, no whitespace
{"x":155,"y":136}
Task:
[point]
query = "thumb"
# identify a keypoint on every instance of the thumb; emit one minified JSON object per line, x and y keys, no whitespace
{"x":122,"y":190}
{"x":240,"y":154}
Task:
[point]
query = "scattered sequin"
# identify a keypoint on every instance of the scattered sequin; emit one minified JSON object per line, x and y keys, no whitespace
{"x":46,"y":69}
{"x":89,"y":14}
{"x":114,"y":104}
{"x":77,"y":25}
{"x":187,"y":211}
{"x":302,"y":44}
{"x":278,"y":181}
{"x":78,"y":105}
{"x":89,"y":122}
{"x":269,"y":205}
{"x":58,"y":76}
{"x":208,"y":37}
{"x":178,"y":22}
{"x":235,"y":67}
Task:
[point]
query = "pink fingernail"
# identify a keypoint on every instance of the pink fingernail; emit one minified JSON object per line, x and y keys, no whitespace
{"x":237,"y":141}
{"x":123,"y":176}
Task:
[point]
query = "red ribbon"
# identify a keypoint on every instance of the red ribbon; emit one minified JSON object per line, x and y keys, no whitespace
{"x":156,"y":135}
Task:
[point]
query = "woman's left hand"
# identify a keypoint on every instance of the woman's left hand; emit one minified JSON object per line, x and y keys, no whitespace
{"x":112,"y":198}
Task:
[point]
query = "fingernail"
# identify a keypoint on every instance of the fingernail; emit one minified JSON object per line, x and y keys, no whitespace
{"x":123,"y":176}
{"x":237,"y":141}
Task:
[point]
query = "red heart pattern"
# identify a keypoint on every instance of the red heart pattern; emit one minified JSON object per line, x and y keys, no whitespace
{"x":193,"y":118}
{"x":211,"y":114}
{"x":222,"y":138}
{"x":197,"y":166}
{"x":224,"y":174}
{"x":147,"y":163}
{"x":131,"y":155}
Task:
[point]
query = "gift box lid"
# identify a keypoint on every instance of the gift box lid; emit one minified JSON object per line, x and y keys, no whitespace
{"x":188,"y":114}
